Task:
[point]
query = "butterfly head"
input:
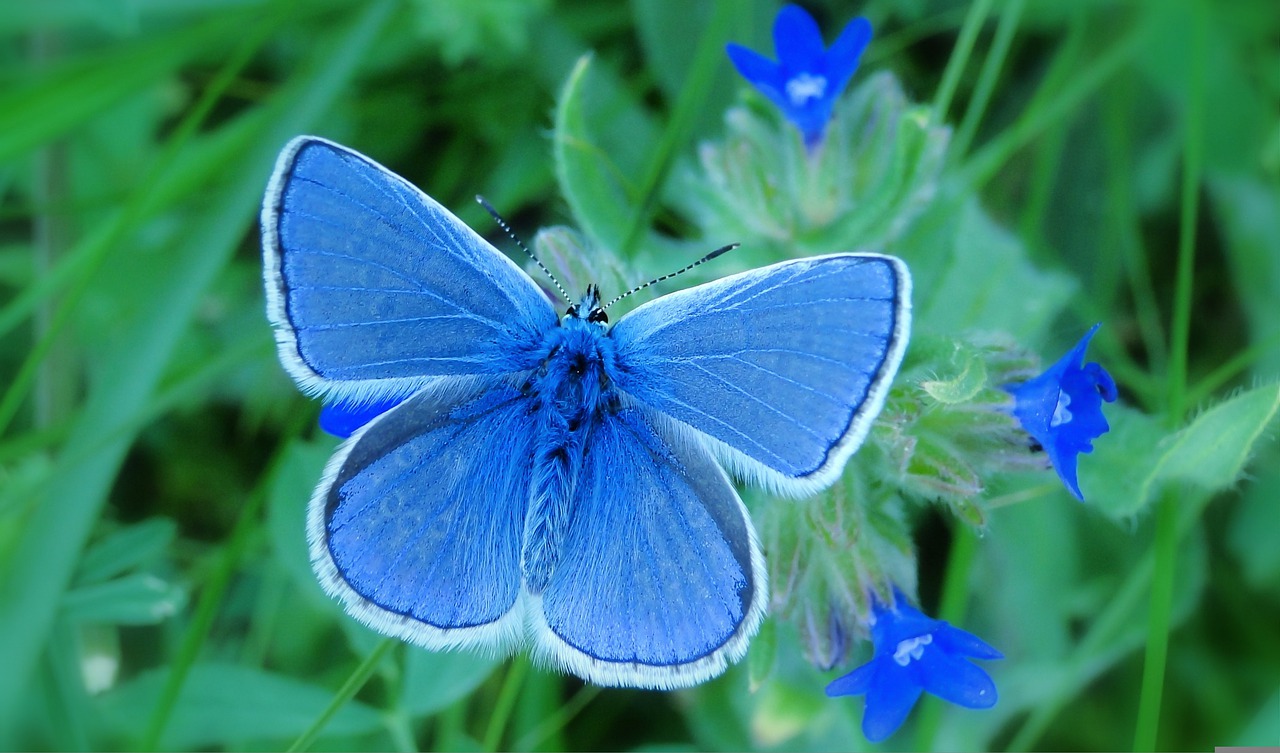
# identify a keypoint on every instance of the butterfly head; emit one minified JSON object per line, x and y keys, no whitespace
{"x":588,"y":309}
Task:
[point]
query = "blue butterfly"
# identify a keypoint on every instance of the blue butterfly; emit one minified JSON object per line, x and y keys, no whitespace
{"x":552,"y":482}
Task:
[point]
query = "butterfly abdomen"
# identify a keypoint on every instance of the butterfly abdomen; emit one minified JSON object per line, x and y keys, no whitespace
{"x":569,"y":388}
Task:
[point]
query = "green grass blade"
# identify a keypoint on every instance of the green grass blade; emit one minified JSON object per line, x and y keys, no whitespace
{"x":959,"y":59}
{"x":987,"y":79}
{"x":54,"y":104}
{"x":680,"y":124}
{"x":38,"y":567}
{"x":1147,"y":726}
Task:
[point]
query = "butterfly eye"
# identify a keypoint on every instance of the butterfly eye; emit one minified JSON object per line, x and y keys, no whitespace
{"x":597,"y":316}
{"x":572,"y":311}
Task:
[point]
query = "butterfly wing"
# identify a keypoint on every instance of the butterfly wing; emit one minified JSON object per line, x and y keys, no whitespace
{"x":375,"y":289}
{"x":660,"y":582}
{"x":417,"y":524}
{"x":783,"y":367}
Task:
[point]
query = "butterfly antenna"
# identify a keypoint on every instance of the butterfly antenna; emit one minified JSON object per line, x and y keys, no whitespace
{"x":507,"y":229}
{"x":707,"y":258}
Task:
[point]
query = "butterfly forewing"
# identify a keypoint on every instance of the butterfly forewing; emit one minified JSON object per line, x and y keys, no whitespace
{"x":783,"y":367}
{"x":375,"y":289}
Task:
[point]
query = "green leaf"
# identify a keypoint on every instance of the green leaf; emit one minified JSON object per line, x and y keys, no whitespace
{"x":1207,"y":456}
{"x":125,"y":549}
{"x":592,"y":183}
{"x":763,"y":655}
{"x":138,"y":599}
{"x":434,"y":681}
{"x":35,"y":571}
{"x":229,"y":705}
{"x":69,"y":96}
{"x":1251,"y":536}
{"x":971,"y":274}
{"x":287,"y":499}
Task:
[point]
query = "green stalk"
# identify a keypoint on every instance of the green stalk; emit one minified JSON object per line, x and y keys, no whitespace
{"x":955,"y":596}
{"x":706,"y":63}
{"x":207,"y":607}
{"x":959,"y":58}
{"x":985,"y":164}
{"x":505,"y":704}
{"x":356,"y":680}
{"x":1166,"y":544}
{"x":557,"y":721}
{"x":88,"y":257}
{"x":40,"y":559}
{"x":1007,"y":27}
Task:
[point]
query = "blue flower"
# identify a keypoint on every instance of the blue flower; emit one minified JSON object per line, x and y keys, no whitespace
{"x":806,"y":80}
{"x":343,"y":419}
{"x":1062,"y":409}
{"x":915,"y":653}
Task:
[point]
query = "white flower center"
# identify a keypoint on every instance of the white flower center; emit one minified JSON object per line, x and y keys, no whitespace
{"x":911,"y":648}
{"x":805,"y":87}
{"x":1060,"y":413}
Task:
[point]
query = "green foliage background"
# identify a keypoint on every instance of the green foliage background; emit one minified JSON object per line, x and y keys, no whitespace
{"x":155,"y":460}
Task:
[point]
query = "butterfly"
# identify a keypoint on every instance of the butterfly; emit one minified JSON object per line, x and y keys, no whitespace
{"x":550,"y":481}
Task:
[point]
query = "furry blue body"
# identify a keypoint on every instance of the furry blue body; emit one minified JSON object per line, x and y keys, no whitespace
{"x":571,"y":391}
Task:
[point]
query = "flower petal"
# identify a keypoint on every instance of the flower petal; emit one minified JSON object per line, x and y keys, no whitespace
{"x":955,"y":680}
{"x":856,"y":682}
{"x":760,"y":71}
{"x":892,"y":694}
{"x":843,"y":57}
{"x":797,"y":41}
{"x":1062,"y":409}
{"x":953,"y":640}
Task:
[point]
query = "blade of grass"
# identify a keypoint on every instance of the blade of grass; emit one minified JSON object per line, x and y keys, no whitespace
{"x":1234,"y":367}
{"x":356,"y":680}
{"x":959,"y":59}
{"x":79,"y":265}
{"x":985,"y":163}
{"x":1118,"y":143}
{"x":211,"y":597}
{"x":680,"y":123}
{"x":559,"y":720}
{"x":955,"y":596}
{"x":1096,"y":653}
{"x":1005,"y":30}
{"x":505,"y":704}
{"x":54,"y":104}
{"x":38,"y":567}
{"x":1147,"y":725}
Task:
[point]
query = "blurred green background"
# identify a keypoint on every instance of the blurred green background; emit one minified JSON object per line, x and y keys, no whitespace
{"x":155,"y":460}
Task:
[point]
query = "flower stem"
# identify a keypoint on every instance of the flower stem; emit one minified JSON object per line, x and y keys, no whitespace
{"x":987,"y":78}
{"x":355,"y":681}
{"x":1166,"y":544}
{"x":955,"y":593}
{"x":687,"y":108}
{"x":959,"y":58}
{"x":506,"y":702}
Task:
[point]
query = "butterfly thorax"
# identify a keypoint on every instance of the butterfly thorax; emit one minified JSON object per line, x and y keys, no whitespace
{"x":569,"y":392}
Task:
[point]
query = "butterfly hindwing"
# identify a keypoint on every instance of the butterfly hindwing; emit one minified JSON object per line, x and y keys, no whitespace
{"x":375,"y":289}
{"x":661,"y":582}
{"x":784,"y":367}
{"x":417,"y":525}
